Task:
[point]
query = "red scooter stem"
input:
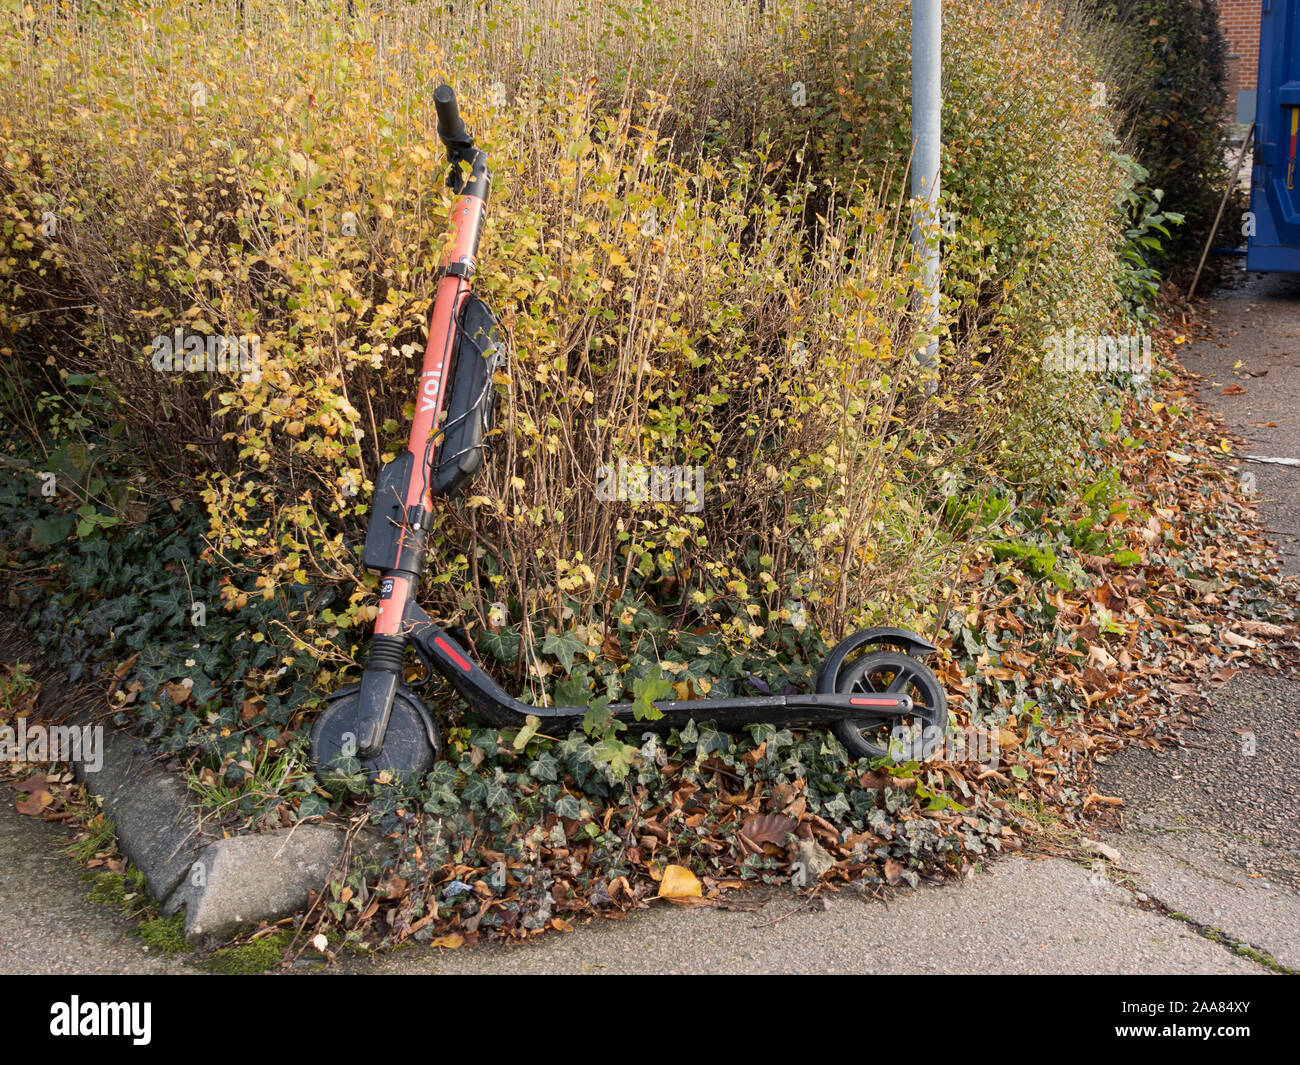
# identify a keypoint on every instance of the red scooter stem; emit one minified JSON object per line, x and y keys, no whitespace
{"x":430,"y":402}
{"x":429,"y":405}
{"x":453,"y":291}
{"x":401,"y":577}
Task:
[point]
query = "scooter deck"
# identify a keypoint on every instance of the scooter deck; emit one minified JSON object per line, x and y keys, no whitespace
{"x":502,"y":710}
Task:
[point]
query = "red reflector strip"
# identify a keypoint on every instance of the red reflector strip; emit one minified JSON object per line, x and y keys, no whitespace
{"x":452,"y":653}
{"x":873,"y":702}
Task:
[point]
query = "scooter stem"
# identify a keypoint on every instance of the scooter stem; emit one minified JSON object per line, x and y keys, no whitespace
{"x":401,"y":575}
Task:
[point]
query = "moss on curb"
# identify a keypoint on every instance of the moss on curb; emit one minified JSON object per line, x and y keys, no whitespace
{"x":164,"y":934}
{"x":255,"y":956}
{"x":124,"y":892}
{"x":106,"y":889}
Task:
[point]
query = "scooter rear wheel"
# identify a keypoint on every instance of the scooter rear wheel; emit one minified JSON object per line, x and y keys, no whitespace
{"x":411,"y":744}
{"x":894,"y":673}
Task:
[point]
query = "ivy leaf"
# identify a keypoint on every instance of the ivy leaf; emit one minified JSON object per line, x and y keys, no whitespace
{"x":837,"y":807}
{"x":573,"y":690}
{"x":312,"y":806}
{"x":475,"y":791}
{"x":503,"y":645}
{"x":544,"y":767}
{"x":598,"y":721}
{"x":645,"y":691}
{"x":51,"y":531}
{"x":616,"y":754}
{"x":497,"y":794}
{"x":563,"y":646}
{"x":484,"y":738}
{"x":531,"y":725}
{"x":711,"y":739}
{"x":203,"y":689}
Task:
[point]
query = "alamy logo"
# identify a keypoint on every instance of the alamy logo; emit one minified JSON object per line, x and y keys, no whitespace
{"x":631,"y":482}
{"x":58,"y":743}
{"x":1088,"y":353}
{"x":199,"y":352}
{"x":930,"y":743}
{"x":79,"y":1018}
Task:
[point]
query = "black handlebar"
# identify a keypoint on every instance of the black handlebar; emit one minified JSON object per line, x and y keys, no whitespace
{"x":461,"y":153}
{"x":451,"y":129}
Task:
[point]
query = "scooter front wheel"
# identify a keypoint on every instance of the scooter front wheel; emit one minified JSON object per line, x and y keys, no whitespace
{"x":894,"y":673}
{"x":411,"y":744}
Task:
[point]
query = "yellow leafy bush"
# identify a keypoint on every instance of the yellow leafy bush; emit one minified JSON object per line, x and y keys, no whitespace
{"x":690,"y":269}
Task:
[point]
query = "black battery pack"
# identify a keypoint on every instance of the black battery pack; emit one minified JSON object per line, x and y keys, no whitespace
{"x":471,"y":404}
{"x":388,"y":515}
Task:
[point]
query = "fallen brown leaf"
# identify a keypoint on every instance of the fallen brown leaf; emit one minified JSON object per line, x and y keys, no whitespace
{"x":34,"y":803}
{"x":768,"y":828}
{"x":34,"y":783}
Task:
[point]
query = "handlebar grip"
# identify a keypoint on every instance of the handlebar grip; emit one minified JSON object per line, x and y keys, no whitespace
{"x":451,"y":129}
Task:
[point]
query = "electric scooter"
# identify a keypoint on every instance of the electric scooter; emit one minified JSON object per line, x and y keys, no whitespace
{"x":870,"y":682}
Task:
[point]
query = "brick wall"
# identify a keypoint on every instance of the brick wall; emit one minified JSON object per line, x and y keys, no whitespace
{"x":1240,"y":19}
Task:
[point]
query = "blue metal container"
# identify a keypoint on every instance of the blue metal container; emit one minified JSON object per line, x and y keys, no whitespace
{"x":1275,"y":183}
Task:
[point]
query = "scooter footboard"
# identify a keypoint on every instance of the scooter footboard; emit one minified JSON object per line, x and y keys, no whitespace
{"x":779,"y":710}
{"x":503,"y":711}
